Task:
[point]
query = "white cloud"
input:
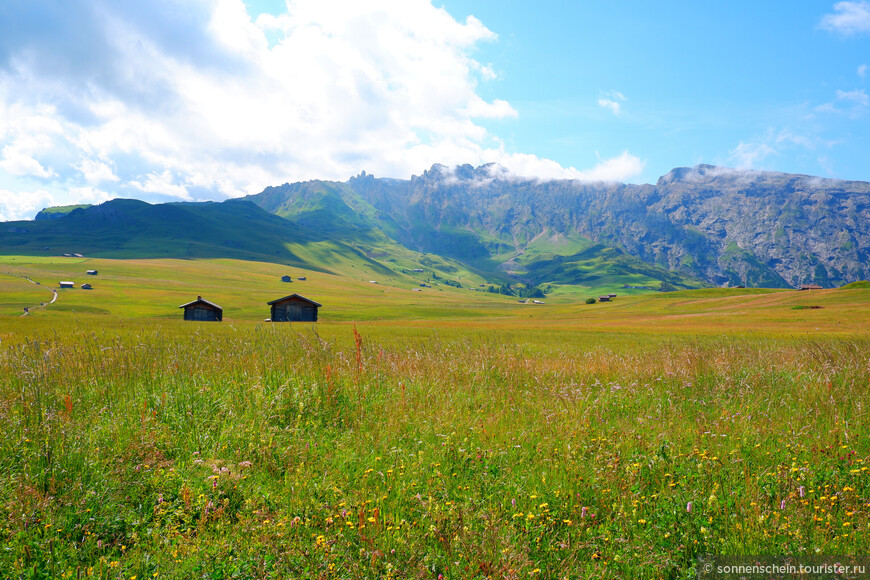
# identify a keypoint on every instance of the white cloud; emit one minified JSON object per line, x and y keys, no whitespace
{"x":621,"y":168}
{"x":18,"y":162}
{"x":862,"y":70}
{"x":162,"y":184}
{"x":852,"y":103}
{"x":849,"y":18}
{"x":613,"y":101}
{"x":95,"y":171}
{"x":750,"y":155}
{"x":206,"y":103}
{"x":22,"y":204}
{"x":858,"y":96}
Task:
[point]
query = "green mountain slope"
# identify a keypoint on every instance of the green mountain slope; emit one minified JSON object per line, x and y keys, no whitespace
{"x":502,"y":245}
{"x":472,"y":226}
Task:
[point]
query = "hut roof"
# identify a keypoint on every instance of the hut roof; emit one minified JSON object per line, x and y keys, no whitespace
{"x":201,"y":300}
{"x":293,"y":297}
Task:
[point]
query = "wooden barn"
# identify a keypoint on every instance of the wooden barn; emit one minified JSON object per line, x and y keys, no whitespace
{"x":87,"y":287}
{"x":92,"y":272}
{"x":202,"y":310}
{"x":294,"y":308}
{"x":286,"y":279}
{"x":65,"y":284}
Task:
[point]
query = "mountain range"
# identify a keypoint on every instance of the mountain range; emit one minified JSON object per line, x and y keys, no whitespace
{"x":697,"y":226}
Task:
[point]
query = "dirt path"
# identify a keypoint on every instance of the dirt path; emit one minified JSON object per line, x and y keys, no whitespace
{"x":41,"y":305}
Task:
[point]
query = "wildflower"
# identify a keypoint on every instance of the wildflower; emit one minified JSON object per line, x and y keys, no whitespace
{"x":802,"y":491}
{"x":689,"y":507}
{"x":782,"y":505}
{"x":583,"y":512}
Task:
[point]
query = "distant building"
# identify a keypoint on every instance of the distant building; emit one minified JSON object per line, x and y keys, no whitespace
{"x":604,"y":298}
{"x":65,"y":284}
{"x":301,"y":278}
{"x":286,"y":279}
{"x":87,"y":287}
{"x":294,"y":308}
{"x":809,"y":287}
{"x":611,"y":295}
{"x":202,"y":310}
{"x":91,"y":272}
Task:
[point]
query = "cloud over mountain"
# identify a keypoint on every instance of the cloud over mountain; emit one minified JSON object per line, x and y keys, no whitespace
{"x":201,"y":101}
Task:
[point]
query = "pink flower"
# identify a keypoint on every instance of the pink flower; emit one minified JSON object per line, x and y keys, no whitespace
{"x":583,"y":512}
{"x":782,"y":505}
{"x":802,"y":491}
{"x":689,"y":507}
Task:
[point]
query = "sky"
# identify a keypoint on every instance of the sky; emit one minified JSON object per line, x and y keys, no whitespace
{"x":193,"y":100}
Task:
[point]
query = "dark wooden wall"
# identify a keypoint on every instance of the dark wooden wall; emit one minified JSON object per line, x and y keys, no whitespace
{"x":294,"y":311}
{"x":202,"y":312}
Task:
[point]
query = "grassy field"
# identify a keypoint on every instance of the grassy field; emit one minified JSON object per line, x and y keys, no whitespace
{"x":421,"y":434}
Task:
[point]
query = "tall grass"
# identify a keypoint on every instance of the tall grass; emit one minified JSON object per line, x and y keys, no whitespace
{"x":169,"y":450}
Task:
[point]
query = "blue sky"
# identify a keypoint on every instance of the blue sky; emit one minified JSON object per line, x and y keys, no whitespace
{"x":746,"y":84}
{"x":209,"y":99}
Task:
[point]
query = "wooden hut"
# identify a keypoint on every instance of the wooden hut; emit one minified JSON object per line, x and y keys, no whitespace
{"x":286,"y":279}
{"x":87,"y":287}
{"x":65,"y":284}
{"x":809,"y":287}
{"x":294,"y":308}
{"x":91,"y":272}
{"x":203,"y":310}
{"x":604,"y":298}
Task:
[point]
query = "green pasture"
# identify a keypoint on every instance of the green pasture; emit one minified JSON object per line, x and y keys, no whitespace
{"x":127,"y":289}
{"x":443,"y":433}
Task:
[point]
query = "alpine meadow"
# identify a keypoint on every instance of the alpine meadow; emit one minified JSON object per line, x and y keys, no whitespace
{"x":403,"y":289}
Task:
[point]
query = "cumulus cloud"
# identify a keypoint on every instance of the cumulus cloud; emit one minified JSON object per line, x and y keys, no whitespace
{"x":612,"y":101}
{"x":22,"y":204}
{"x":162,"y":184}
{"x":621,"y":168}
{"x":199,"y":101}
{"x":163,"y":101}
{"x":862,"y":70}
{"x":848,"y":18}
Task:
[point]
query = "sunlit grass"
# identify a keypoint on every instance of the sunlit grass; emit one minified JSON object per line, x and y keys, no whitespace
{"x":219,"y":450}
{"x":412,"y":434}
